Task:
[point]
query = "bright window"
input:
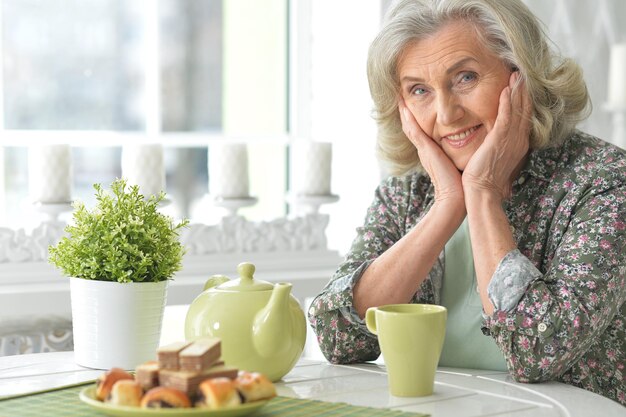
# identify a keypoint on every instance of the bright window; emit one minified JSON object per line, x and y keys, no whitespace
{"x":184,"y":73}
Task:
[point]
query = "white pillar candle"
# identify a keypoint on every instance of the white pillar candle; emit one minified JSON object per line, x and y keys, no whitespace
{"x":228,"y":170}
{"x":50,"y":173}
{"x":617,"y":77}
{"x":311,"y":168}
{"x":142,"y":165}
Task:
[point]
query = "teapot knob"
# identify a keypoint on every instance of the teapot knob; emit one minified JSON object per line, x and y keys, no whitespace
{"x":246,"y":271}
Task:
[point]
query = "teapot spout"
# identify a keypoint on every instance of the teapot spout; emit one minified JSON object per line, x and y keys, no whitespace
{"x":272,"y":328}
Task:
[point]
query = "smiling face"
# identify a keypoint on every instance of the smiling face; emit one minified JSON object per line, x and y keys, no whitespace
{"x":452,"y":83}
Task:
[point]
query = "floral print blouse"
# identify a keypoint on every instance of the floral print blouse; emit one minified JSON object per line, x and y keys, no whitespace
{"x":560,"y":311}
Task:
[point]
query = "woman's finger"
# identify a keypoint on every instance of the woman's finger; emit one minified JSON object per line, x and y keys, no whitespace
{"x":410,"y":127}
{"x":522,"y":110}
{"x":503,"y":120}
{"x":526,"y":106}
{"x":517,"y":95}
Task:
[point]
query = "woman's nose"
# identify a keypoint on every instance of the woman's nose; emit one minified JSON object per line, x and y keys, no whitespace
{"x":449,"y":109}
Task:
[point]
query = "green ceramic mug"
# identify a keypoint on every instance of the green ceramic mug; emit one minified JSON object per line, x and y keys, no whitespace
{"x":410,"y":338}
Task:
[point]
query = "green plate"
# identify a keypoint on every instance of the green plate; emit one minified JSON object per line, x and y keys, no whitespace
{"x":88,"y":396}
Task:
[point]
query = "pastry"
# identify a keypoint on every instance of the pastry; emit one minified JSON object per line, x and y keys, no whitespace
{"x":188,"y":381}
{"x":147,"y":374}
{"x":200,"y":355}
{"x":105,"y":382}
{"x":161,"y":397}
{"x":254,"y":386}
{"x":168,"y":355}
{"x":216,"y":393}
{"x":125,"y":392}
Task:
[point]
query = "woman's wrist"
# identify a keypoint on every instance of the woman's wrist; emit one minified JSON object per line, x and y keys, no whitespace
{"x":482,"y":197}
{"x":453,"y":206}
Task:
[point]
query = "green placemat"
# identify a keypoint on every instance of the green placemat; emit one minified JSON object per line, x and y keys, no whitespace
{"x":65,"y":403}
{"x":296,"y":407}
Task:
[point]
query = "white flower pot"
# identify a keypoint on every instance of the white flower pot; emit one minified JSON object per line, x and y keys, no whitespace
{"x":116,"y":324}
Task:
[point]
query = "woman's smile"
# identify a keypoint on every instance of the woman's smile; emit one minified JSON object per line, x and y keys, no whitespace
{"x":462,"y":138}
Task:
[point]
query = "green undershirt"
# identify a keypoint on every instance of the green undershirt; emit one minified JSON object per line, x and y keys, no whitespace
{"x":465,"y":345}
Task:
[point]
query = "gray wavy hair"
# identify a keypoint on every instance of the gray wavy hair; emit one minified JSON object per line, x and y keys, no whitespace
{"x":511,"y":31}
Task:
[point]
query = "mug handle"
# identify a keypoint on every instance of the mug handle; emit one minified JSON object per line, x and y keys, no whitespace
{"x":370,"y":320}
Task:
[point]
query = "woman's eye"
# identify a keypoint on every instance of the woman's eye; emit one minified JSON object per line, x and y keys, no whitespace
{"x":468,"y":77}
{"x":419,"y":91}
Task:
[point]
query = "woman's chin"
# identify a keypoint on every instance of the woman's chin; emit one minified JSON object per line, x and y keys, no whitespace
{"x":461,"y":163}
{"x":461,"y":159}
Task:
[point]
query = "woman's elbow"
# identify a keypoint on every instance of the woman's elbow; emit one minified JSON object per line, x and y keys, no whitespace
{"x":338,"y":351}
{"x":519,"y":376}
{"x":336,"y":359}
{"x":531,"y":373}
{"x":337,"y":354}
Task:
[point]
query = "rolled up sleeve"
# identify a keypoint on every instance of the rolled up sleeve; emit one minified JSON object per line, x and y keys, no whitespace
{"x":510,"y":281}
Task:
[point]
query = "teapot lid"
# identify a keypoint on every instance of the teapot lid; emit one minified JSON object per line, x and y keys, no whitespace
{"x":246,"y":281}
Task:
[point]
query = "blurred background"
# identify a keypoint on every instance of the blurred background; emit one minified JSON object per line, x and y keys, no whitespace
{"x":186,"y":73}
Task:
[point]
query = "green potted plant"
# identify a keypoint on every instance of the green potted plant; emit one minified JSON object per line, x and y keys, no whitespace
{"x":119,"y":256}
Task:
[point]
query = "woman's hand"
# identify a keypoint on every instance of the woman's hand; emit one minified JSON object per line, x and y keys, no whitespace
{"x":498,"y":160}
{"x":445,"y":177}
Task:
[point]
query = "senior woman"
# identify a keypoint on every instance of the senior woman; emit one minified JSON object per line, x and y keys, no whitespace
{"x":499,"y":209}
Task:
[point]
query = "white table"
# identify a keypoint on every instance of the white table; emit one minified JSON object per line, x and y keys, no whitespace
{"x":458,"y":393}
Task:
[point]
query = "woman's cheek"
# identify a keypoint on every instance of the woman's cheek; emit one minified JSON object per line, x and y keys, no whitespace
{"x":421,"y":117}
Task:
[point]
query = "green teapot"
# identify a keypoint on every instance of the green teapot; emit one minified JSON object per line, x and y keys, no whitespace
{"x":261,"y":325}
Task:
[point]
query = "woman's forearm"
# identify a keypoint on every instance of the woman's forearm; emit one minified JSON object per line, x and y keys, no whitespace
{"x":396,"y":275}
{"x":491,"y":237}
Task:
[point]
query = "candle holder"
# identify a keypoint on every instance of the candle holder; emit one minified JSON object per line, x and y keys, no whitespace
{"x":52,"y":211}
{"x":310,"y":204}
{"x":232,"y":204}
